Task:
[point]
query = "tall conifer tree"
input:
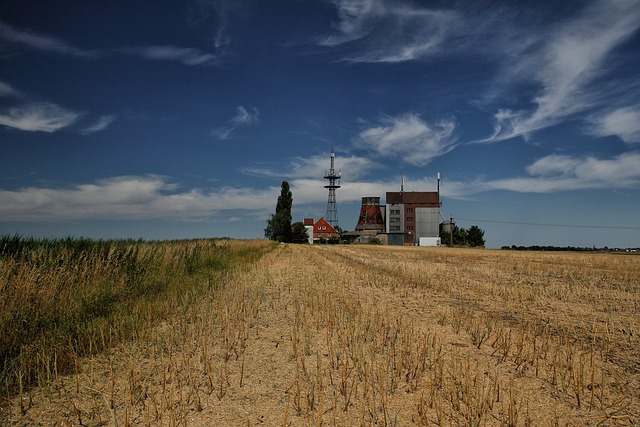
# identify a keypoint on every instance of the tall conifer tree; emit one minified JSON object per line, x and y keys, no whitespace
{"x":279,"y":226}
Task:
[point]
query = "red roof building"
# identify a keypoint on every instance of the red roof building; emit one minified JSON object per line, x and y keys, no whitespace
{"x":323,"y":230}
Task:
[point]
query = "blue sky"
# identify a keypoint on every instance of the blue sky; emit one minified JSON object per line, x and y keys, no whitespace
{"x":180,"y":119}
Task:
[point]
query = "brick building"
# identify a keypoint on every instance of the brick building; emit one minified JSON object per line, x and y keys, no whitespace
{"x":412,"y":215}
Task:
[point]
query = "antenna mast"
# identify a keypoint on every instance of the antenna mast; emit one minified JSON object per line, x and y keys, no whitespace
{"x":334,"y":182}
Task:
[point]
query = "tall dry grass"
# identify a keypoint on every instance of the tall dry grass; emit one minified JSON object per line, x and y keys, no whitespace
{"x":61,"y":299}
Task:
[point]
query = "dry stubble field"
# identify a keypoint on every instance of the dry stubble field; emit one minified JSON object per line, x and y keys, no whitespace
{"x":372,"y":335}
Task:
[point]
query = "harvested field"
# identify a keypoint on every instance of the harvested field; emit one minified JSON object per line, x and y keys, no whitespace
{"x":371,"y":335}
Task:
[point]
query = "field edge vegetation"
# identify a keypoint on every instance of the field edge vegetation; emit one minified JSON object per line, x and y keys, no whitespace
{"x":61,"y":299}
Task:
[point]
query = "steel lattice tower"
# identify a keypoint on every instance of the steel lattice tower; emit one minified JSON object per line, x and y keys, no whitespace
{"x":334,"y":182}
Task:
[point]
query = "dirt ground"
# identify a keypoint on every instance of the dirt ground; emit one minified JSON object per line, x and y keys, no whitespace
{"x":369,"y":335}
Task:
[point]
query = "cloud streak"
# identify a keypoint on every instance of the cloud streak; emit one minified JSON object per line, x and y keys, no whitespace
{"x":565,"y":63}
{"x":352,"y":167}
{"x":129,"y":198}
{"x":42,"y":42}
{"x":53,"y":45}
{"x":156,"y":197}
{"x":6,"y":90}
{"x":185,"y":55}
{"x":243,"y":118}
{"x":101,"y":124}
{"x":409,"y":138}
{"x":621,"y":122}
{"x":38,"y":117}
{"x":556,"y":173}
{"x":212,"y":17}
{"x":382,"y":31}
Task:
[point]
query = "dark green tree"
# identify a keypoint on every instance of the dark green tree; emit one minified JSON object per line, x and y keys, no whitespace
{"x":445,"y":238}
{"x":460,"y":236}
{"x":279,"y":225}
{"x":299,"y":233}
{"x":475,"y":236}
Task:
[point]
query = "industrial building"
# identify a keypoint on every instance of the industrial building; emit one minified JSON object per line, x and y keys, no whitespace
{"x":371,"y":219}
{"x":408,"y":218}
{"x":413,"y":218}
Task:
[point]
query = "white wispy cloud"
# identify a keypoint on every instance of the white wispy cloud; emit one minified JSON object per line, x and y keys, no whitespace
{"x":356,"y":19}
{"x":213,"y":17}
{"x":554,"y":165}
{"x":409,"y":138}
{"x":42,"y":42}
{"x":101,"y":124}
{"x":223,"y":132}
{"x":556,"y":173}
{"x":186,"y":55}
{"x":157,"y":197}
{"x":130,"y":198}
{"x":6,"y":90}
{"x":50,"y":44}
{"x":310,"y":191}
{"x":351,"y":167}
{"x":566,"y":62}
{"x":390,"y":31}
{"x":622,"y":122}
{"x":243,"y":118}
{"x":549,"y":174}
{"x":41,"y":116}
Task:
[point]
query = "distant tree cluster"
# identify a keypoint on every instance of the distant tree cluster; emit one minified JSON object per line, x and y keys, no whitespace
{"x":554,"y":248}
{"x":473,"y":236}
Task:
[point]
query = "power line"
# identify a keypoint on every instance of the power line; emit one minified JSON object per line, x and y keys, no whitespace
{"x":606,"y":227}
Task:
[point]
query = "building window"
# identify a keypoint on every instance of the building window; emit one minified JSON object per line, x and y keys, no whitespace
{"x":395,"y":211}
{"x":394,"y":228}
{"x":409,"y":210}
{"x":396,"y":219}
{"x":409,"y":227}
{"x":409,"y":219}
